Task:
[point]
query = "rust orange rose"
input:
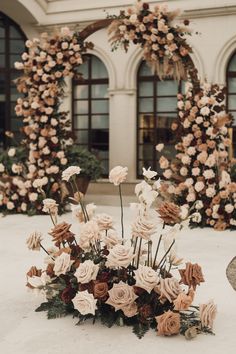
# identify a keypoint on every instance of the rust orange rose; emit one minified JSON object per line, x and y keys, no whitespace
{"x":183,"y":300}
{"x":191,"y":275}
{"x":100,"y":290}
{"x":168,"y":324}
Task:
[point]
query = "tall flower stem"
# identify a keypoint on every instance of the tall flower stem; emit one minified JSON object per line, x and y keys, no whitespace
{"x":158,"y":246}
{"x":122,"y":215}
{"x":75,"y":189}
{"x":139,"y":251}
{"x":46,"y":252}
{"x":163,"y":258}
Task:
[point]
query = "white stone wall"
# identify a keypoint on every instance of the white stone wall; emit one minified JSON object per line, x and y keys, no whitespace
{"x":213,"y":19}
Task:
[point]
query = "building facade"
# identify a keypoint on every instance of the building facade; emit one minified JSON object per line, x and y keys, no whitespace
{"x":119,"y":110}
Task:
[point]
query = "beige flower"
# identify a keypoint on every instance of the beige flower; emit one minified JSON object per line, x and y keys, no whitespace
{"x":86,"y":272}
{"x":104,"y":221}
{"x":118,"y":175}
{"x":111,"y":239}
{"x":70,"y":171}
{"x":89,"y":234}
{"x":190,"y":333}
{"x":143,"y":227}
{"x":33,"y":242}
{"x":183,"y":300}
{"x":164,"y":163}
{"x":77,"y":212}
{"x":62,"y":264}
{"x":85,"y":303}
{"x":130,"y":310}
{"x":168,"y":323}
{"x":159,"y":147}
{"x":168,"y":289}
{"x":120,"y":256}
{"x":208,"y":313}
{"x":50,"y":206}
{"x":146,"y":278}
{"x":121,"y":295}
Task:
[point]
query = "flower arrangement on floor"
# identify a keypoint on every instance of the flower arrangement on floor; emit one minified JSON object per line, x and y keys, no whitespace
{"x":200,"y":175}
{"x":120,"y":280}
{"x":162,"y":41}
{"x":46,"y":132}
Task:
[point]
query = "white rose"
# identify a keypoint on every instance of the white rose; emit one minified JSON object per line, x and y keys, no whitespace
{"x":121,"y":295}
{"x":62,"y":264}
{"x":148,"y":173}
{"x":196,"y":171}
{"x":159,"y":147}
{"x":89,"y":234}
{"x":10,"y":205}
{"x":183,"y":171}
{"x":186,"y":160}
{"x":199,"y":204}
{"x":86,"y":272}
{"x":33,"y":197}
{"x":167,"y":174}
{"x":191,"y":150}
{"x":2,"y":168}
{"x":208,"y":174}
{"x":111,"y":239}
{"x":120,"y":256}
{"x":85,"y":303}
{"x":199,"y":186}
{"x":141,"y":187}
{"x":146,"y":278}
{"x":104,"y":221}
{"x":11,"y":152}
{"x":143,"y":227}
{"x":196,"y":217}
{"x":50,"y":206}
{"x":118,"y":175}
{"x":205,"y":111}
{"x":229,"y":208}
{"x":210,"y":192}
{"x":70,"y":171}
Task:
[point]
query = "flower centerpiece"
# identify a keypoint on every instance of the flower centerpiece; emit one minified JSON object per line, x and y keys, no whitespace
{"x":162,"y":41}
{"x":134,"y":281}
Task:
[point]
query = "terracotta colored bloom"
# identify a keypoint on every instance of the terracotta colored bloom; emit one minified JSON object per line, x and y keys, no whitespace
{"x":61,"y":233}
{"x":100,"y":290}
{"x":207,"y":314}
{"x":169,"y":212}
{"x":34,"y":272}
{"x":191,"y":275}
{"x":220,"y":225}
{"x":168,"y":324}
{"x":183,"y":300}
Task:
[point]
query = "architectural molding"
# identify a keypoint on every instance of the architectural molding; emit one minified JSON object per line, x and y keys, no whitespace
{"x":222,"y":60}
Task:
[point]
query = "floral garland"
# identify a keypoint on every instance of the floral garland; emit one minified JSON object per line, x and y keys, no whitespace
{"x":201,"y":171}
{"x":101,"y":276}
{"x":163,"y":44}
{"x":46,"y":129}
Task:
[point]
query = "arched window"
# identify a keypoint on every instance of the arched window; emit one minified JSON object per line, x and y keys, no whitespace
{"x":91,"y":108}
{"x":156,"y":110}
{"x":12,"y":45}
{"x":231,"y":96}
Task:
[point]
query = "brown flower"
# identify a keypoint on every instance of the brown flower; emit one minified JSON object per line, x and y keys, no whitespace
{"x":183,"y":300}
{"x":169,"y":212}
{"x":190,"y":333}
{"x":168,"y":323}
{"x":50,"y":270}
{"x":220,"y":225}
{"x":191,"y":275}
{"x":62,"y":233}
{"x":34,"y":272}
{"x":100,"y":290}
{"x":68,"y":294}
{"x":145,"y":311}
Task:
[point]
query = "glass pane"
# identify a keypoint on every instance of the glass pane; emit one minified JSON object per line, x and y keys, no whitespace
{"x":82,"y":70}
{"x":2,"y":60}
{"x":81,"y":91}
{"x":100,"y":106}
{"x":82,"y":136}
{"x":146,"y":89}
{"x":167,"y":104}
{"x":145,"y":151}
{"x":105,"y":166}
{"x":2,"y":30}
{"x":232,"y":65}
{"x":14,"y":33}
{"x":81,"y":107}
{"x":81,"y":122}
{"x":17,"y":46}
{"x":98,"y":137}
{"x":2,"y":45}
{"x":146,"y":136}
{"x":99,"y":91}
{"x":167,"y":88}
{"x":231,"y":102}
{"x":101,"y":152}
{"x":14,"y":58}
{"x":232,"y":85}
{"x":145,"y":70}
{"x":2,"y":83}
{"x":16,"y":124}
{"x":146,"y":105}
{"x":146,"y":121}
{"x":100,"y":122}
{"x":99,"y":70}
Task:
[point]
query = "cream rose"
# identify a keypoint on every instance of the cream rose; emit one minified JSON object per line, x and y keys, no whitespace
{"x":89,"y":234}
{"x":70,"y":171}
{"x":168,"y":289}
{"x":50,"y":206}
{"x":86,"y":272}
{"x":207,"y":314}
{"x":118,"y":175}
{"x":146,"y":278}
{"x":34,"y":241}
{"x":121,"y":295}
{"x":104,"y":221}
{"x":62,"y":264}
{"x":85,"y":303}
{"x":120,"y":256}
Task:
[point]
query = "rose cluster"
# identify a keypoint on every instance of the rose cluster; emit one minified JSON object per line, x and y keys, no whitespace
{"x":46,"y":131}
{"x":98,"y":274}
{"x":201,"y":170}
{"x":163,"y":43}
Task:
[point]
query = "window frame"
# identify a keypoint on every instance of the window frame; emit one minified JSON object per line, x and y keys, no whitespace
{"x":90,"y":81}
{"x":8,"y":71}
{"x":231,"y":74}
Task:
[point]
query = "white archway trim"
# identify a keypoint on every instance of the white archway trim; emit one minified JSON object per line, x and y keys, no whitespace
{"x":222,"y":60}
{"x":102,"y":55}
